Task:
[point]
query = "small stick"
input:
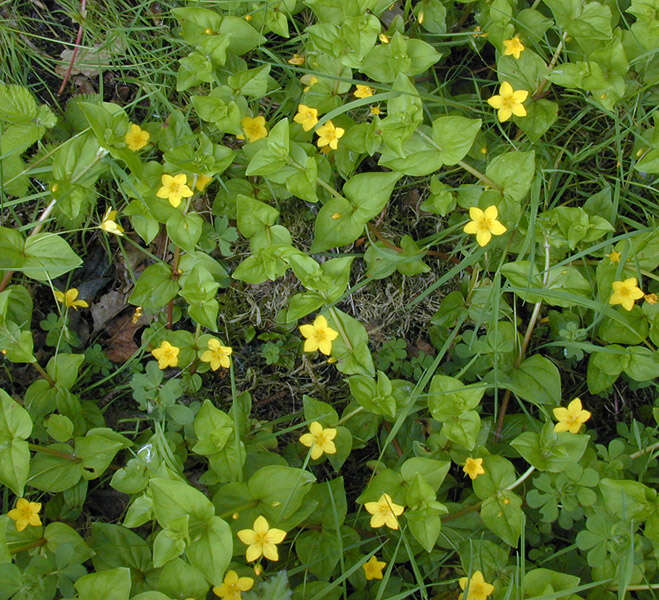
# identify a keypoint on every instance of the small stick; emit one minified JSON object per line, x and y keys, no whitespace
{"x":67,"y":75}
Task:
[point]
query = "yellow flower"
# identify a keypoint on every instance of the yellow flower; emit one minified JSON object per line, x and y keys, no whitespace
{"x":202,"y":182}
{"x":484,"y":224}
{"x":319,"y":336}
{"x":384,"y":512}
{"x":375,"y":110}
{"x":233,"y":586}
{"x":479,"y":589}
{"x":328,"y":135}
{"x":136,"y":315}
{"x":363,"y":91}
{"x":26,"y":513}
{"x":258,"y":569}
{"x":174,"y":188}
{"x":296,"y":59}
{"x":109,"y":224}
{"x":384,"y":38}
{"x":571,"y":418}
{"x":166,"y":354}
{"x":319,"y":440}
{"x":136,"y":137}
{"x":217,"y":354}
{"x":261,"y":541}
{"x":254,"y":128}
{"x":68,"y":298}
{"x":373,"y":568}
{"x":513,"y":47}
{"x":508,"y":102}
{"x":651,"y":298}
{"x":626,"y":293}
{"x":306,"y":116}
{"x":474,"y":467}
{"x":308,"y":81}
{"x":614,"y":256}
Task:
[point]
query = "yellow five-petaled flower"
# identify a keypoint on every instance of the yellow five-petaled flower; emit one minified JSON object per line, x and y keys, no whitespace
{"x":254,"y":128}
{"x":319,"y":440}
{"x":571,"y":418}
{"x":26,"y":513}
{"x":166,"y":354}
{"x":373,"y":568}
{"x":136,"y":137}
{"x":306,"y":116}
{"x":363,"y":91}
{"x":508,"y":102}
{"x":513,"y":47}
{"x":329,"y":135}
{"x":217,"y":354}
{"x":233,"y":586}
{"x":478,"y":588}
{"x":109,"y":225}
{"x":319,"y":336}
{"x":262,"y":540}
{"x":174,"y":189}
{"x":384,"y":512}
{"x":68,"y":298}
{"x":626,"y":293}
{"x":474,"y":467}
{"x":484,"y":224}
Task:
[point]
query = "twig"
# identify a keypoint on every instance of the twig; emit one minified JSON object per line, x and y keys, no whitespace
{"x":76,"y":49}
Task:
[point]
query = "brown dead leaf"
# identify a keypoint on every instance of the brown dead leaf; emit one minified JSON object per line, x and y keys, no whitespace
{"x":90,"y":61}
{"x":121,"y":345}
{"x":107,"y":307}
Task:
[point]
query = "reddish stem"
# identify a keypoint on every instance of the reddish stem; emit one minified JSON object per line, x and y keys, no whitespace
{"x":83,"y":10}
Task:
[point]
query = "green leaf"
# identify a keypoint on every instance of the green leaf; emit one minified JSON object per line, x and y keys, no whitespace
{"x":54,"y":473}
{"x":499,"y":474}
{"x":211,"y":552}
{"x":17,"y":105}
{"x":212,"y":428}
{"x":369,"y":193}
{"x":155,"y":287}
{"x":455,"y":136}
{"x":254,"y":216}
{"x":550,"y":451}
{"x":463,"y":429}
{"x":315,"y":410}
{"x":98,"y":448}
{"x":279,"y":490}
{"x":58,"y":534}
{"x":178,"y":575}
{"x":375,"y":397}
{"x":352,"y":353}
{"x":113,"y":584}
{"x":252,"y":82}
{"x":513,"y":171}
{"x":628,"y":499}
{"x":115,"y":546}
{"x":425,"y":525}
{"x":434,"y":471}
{"x":503,"y":515}
{"x":540,"y":116}
{"x":449,"y":397}
{"x":319,"y":551}
{"x":537,"y":381}
{"x":175,"y":499}
{"x":63,"y":368}
{"x":184,"y":230}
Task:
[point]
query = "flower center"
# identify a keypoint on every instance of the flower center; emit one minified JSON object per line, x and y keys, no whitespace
{"x":320,"y":335}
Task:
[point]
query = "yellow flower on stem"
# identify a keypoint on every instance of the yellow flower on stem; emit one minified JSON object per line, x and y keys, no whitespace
{"x":233,"y":586}
{"x":384,"y":38}
{"x":484,"y":224}
{"x":319,"y":440}
{"x":308,"y":81}
{"x":474,"y":467}
{"x":478,"y":588}
{"x":296,"y":59}
{"x":217,"y":354}
{"x":109,"y":225}
{"x":202,"y":182}
{"x":68,"y":298}
{"x":262,"y":540}
{"x":254,"y":128}
{"x":571,"y":418}
{"x":651,"y":298}
{"x":26,"y":513}
{"x":319,"y":336}
{"x":614,"y":256}
{"x":375,"y":110}
{"x":306,"y":116}
{"x":513,"y":47}
{"x":373,"y":568}
{"x":328,"y":135}
{"x":166,"y":355}
{"x":363,"y":91}
{"x":508,"y":102}
{"x":384,"y":512}
{"x":626,"y":293}
{"x":174,"y":189}
{"x":136,"y":137}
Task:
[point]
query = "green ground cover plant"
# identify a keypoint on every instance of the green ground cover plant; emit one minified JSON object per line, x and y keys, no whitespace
{"x":329,"y":299}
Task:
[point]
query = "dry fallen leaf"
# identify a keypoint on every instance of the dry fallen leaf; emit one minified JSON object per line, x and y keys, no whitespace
{"x":107,"y":307}
{"x":90,"y":61}
{"x":121,"y":346}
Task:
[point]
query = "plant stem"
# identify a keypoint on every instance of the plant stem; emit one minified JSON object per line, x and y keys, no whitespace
{"x":551,"y":65}
{"x":332,"y":311}
{"x":64,"y":455}
{"x":643,"y":451}
{"x":525,"y":343}
{"x":29,"y":546}
{"x":475,"y":172}
{"x":74,"y":55}
{"x":170,"y":305}
{"x":44,"y":374}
